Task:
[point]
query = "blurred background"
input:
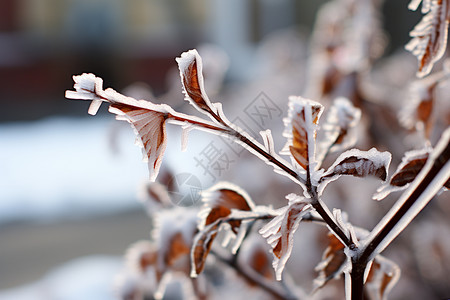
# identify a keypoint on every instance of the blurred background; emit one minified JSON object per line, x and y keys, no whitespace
{"x":69,"y":182}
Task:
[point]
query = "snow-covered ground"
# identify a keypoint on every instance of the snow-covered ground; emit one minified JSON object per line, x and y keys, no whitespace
{"x":87,"y":278}
{"x":72,"y":168}
{"x":62,"y":168}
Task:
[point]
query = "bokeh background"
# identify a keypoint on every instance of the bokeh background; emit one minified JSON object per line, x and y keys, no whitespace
{"x":69,"y":182}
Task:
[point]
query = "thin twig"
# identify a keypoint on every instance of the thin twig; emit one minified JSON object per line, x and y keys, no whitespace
{"x":255,"y":278}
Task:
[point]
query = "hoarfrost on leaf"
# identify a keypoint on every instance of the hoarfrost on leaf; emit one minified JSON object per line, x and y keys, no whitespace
{"x":383,"y":274}
{"x":301,"y":125}
{"x":147,"y":119}
{"x":190,"y":65}
{"x":222,"y":204}
{"x":173,"y":233}
{"x":150,"y":127}
{"x":412,"y":163}
{"x":339,"y":128}
{"x":358,"y":163}
{"x":419,"y":111}
{"x":429,"y":37}
{"x":440,"y":153}
{"x":279,"y":232}
{"x":333,"y":262}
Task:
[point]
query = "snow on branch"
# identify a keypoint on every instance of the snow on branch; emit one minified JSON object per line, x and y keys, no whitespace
{"x":147,"y":119}
{"x":432,"y":177}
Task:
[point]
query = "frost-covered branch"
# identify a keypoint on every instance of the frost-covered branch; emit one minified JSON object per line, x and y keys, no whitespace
{"x":433,"y":176}
{"x":427,"y":184}
{"x":278,"y":291}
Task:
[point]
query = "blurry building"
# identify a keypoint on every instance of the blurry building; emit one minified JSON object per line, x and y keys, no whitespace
{"x":44,"y":42}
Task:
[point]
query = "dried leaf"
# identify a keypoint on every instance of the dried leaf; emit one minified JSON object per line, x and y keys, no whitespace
{"x":155,"y":196}
{"x":382,"y":276}
{"x":430,"y":35}
{"x":254,"y":253}
{"x":280,"y":231}
{"x":150,"y":128}
{"x":177,"y":247}
{"x":408,"y":170}
{"x":190,"y":65}
{"x":301,"y":126}
{"x":358,"y":163}
{"x":148,"y":119}
{"x":333,"y":262}
{"x":418,"y":112}
{"x":141,"y":255}
{"x":339,"y":134}
{"x":201,"y":248}
{"x":174,"y":232}
{"x":411,"y":165}
{"x":219,"y":201}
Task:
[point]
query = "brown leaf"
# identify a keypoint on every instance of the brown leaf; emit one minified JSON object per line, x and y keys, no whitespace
{"x":261,"y":263}
{"x":279,"y":232}
{"x":360,"y":164}
{"x":303,"y":127}
{"x":382,"y":276}
{"x":173,"y":233}
{"x":151,"y":129}
{"x":338,"y":130}
{"x":225,"y":199}
{"x":411,"y":165}
{"x":201,"y":248}
{"x":177,"y":248}
{"x":190,"y":65}
{"x":424,"y":110}
{"x":141,"y":255}
{"x":430,"y":36}
{"x":291,"y":218}
{"x":219,"y":201}
{"x":418,"y":114}
{"x":333,"y":260}
{"x":408,"y":172}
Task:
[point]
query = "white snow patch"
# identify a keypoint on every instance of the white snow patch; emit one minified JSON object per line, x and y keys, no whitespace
{"x":87,"y":278}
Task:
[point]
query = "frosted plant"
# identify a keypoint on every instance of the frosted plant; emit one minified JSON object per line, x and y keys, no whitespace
{"x":185,"y":240}
{"x":430,"y":35}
